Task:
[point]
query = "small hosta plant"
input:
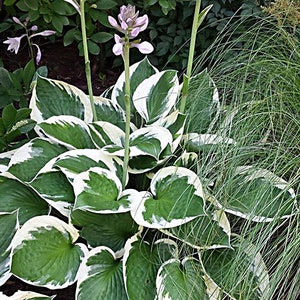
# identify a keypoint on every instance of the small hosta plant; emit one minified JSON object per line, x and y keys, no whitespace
{"x":117,"y":205}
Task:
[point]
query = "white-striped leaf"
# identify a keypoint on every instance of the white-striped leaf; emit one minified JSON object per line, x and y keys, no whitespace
{"x":203,"y":91}
{"x":240,"y":272}
{"x":17,"y":196}
{"x":44,"y":253}
{"x":204,"y":232}
{"x":138,"y":73}
{"x":141,"y":262}
{"x":177,"y":197}
{"x":77,"y":161}
{"x":200,"y":142}
{"x":29,"y":159}
{"x":178,"y":280}
{"x":149,"y":141}
{"x":105,"y":133}
{"x":100,"y":277}
{"x":26,"y":295}
{"x":110,"y":112}
{"x":54,"y":187}
{"x":258,"y":195}
{"x":68,"y":131}
{"x":54,"y":98}
{"x":100,"y":190}
{"x":8,"y":226}
{"x":156,"y":96}
{"x":110,"y":230}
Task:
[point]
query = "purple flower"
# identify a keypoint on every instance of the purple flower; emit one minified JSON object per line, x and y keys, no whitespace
{"x":131,"y":25}
{"x":129,"y":22}
{"x":144,"y":47}
{"x":14,"y":43}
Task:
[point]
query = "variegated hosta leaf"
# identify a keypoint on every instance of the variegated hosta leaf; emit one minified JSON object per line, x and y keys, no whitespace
{"x":100,"y":190}
{"x":203,"y":103}
{"x":258,"y":195}
{"x":138,"y":73}
{"x":178,"y":280}
{"x":54,"y":187}
{"x":26,"y":295}
{"x":68,"y":131}
{"x":44,"y":253}
{"x":149,"y":141}
{"x":240,"y":272}
{"x":77,"y":161}
{"x":177,"y":197}
{"x":107,"y":134}
{"x":204,"y":232}
{"x":156,"y":96}
{"x":110,"y":230}
{"x":110,"y":112}
{"x":5,"y":158}
{"x":141,"y":262}
{"x":54,"y":98}
{"x":29,"y":159}
{"x":8,"y":227}
{"x":100,"y":277}
{"x":174,"y":122}
{"x":17,"y":196}
{"x":201,"y":142}
{"x":187,"y":160}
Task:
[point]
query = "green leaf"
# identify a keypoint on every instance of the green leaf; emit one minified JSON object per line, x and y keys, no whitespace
{"x":68,"y":131}
{"x":156,"y":96}
{"x":109,"y":111}
{"x":101,"y":37}
{"x":107,"y":4}
{"x":138,"y":73}
{"x":17,"y":196}
{"x":150,"y":141}
{"x":241,"y":272}
{"x":105,"y":134}
{"x":203,"y":102}
{"x":8,"y":227}
{"x":93,"y":47}
{"x":76,"y":161}
{"x":204,"y":232}
{"x":28,"y":74}
{"x":141,"y":263}
{"x":55,"y":98}
{"x":101,"y":277}
{"x":177,"y":198}
{"x":100,"y":190}
{"x":8,"y":116}
{"x":55,"y":189}
{"x":110,"y":230}
{"x":203,"y":14}
{"x":178,"y":280}
{"x":29,"y":159}
{"x":258,"y":195}
{"x":44,"y":253}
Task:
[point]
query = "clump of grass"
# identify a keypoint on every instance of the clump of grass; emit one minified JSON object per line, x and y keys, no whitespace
{"x":257,"y":75}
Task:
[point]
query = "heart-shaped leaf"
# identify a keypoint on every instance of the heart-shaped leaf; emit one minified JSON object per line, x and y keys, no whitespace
{"x":178,"y":280}
{"x":17,"y":196}
{"x":55,"y":98}
{"x":177,"y":198}
{"x":110,"y":230}
{"x":68,"y":131}
{"x":141,"y":262}
{"x":156,"y":96}
{"x":29,"y":159}
{"x":44,"y":253}
{"x":100,"y":190}
{"x":100,"y":277}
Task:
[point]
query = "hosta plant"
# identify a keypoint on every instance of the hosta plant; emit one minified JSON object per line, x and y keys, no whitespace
{"x":118,"y":205}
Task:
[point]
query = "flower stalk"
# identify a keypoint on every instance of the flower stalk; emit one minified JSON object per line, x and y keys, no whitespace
{"x":87,"y":60}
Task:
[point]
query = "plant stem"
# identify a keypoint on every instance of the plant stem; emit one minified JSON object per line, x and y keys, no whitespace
{"x":127,"y":109}
{"x":187,"y":76}
{"x":86,"y":60}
